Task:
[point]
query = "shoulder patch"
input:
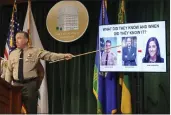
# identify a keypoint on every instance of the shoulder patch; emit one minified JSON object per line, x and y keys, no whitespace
{"x":5,"y":64}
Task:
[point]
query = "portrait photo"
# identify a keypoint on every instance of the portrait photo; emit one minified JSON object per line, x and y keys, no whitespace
{"x":108,"y":52}
{"x":129,"y":51}
{"x":152,"y":52}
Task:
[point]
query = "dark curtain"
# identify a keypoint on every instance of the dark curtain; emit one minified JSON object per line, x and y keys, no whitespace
{"x":154,"y":86}
{"x":70,"y":82}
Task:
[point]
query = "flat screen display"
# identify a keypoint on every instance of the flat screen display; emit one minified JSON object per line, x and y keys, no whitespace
{"x":133,"y":47}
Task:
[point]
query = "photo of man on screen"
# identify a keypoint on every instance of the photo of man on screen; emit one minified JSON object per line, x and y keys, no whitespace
{"x":108,"y":57}
{"x":152,"y":54}
{"x":129,"y":53}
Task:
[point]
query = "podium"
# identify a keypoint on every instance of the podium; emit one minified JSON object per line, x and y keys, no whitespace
{"x":10,"y":98}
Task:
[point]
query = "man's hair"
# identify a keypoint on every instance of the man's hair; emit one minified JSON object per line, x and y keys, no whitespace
{"x":108,"y":41}
{"x":26,"y":35}
{"x":129,"y":38}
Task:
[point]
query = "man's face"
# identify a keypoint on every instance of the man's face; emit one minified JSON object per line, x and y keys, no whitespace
{"x":108,"y":46}
{"x":21,"y":41}
{"x":128,"y":42}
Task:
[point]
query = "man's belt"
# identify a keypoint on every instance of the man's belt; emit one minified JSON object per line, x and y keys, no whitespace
{"x":26,"y":80}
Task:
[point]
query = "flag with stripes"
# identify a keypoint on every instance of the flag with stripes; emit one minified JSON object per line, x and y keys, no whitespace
{"x":13,"y":29}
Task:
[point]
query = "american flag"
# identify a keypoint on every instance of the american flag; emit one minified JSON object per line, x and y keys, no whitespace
{"x":13,"y":29}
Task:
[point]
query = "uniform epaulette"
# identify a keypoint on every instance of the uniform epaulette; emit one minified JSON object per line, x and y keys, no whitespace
{"x":41,"y":50}
{"x":15,"y":50}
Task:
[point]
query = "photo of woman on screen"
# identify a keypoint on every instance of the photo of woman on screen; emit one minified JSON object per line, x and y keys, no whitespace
{"x":152,"y":54}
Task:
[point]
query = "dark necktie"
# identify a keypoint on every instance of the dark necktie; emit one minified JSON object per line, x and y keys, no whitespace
{"x":106,"y":59}
{"x":20,"y":67}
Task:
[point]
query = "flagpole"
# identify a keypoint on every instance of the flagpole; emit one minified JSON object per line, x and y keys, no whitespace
{"x":29,"y":6}
{"x":29,"y":21}
{"x":86,"y":53}
{"x":12,"y":18}
{"x":13,"y":8}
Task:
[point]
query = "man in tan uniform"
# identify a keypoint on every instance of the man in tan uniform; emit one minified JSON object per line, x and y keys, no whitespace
{"x":22,"y":69}
{"x":108,"y":58}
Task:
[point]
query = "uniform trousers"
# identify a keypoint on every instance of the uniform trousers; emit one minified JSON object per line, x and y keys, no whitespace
{"x":29,"y":96}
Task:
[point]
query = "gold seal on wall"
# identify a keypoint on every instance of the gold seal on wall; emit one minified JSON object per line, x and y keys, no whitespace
{"x":67,"y":21}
